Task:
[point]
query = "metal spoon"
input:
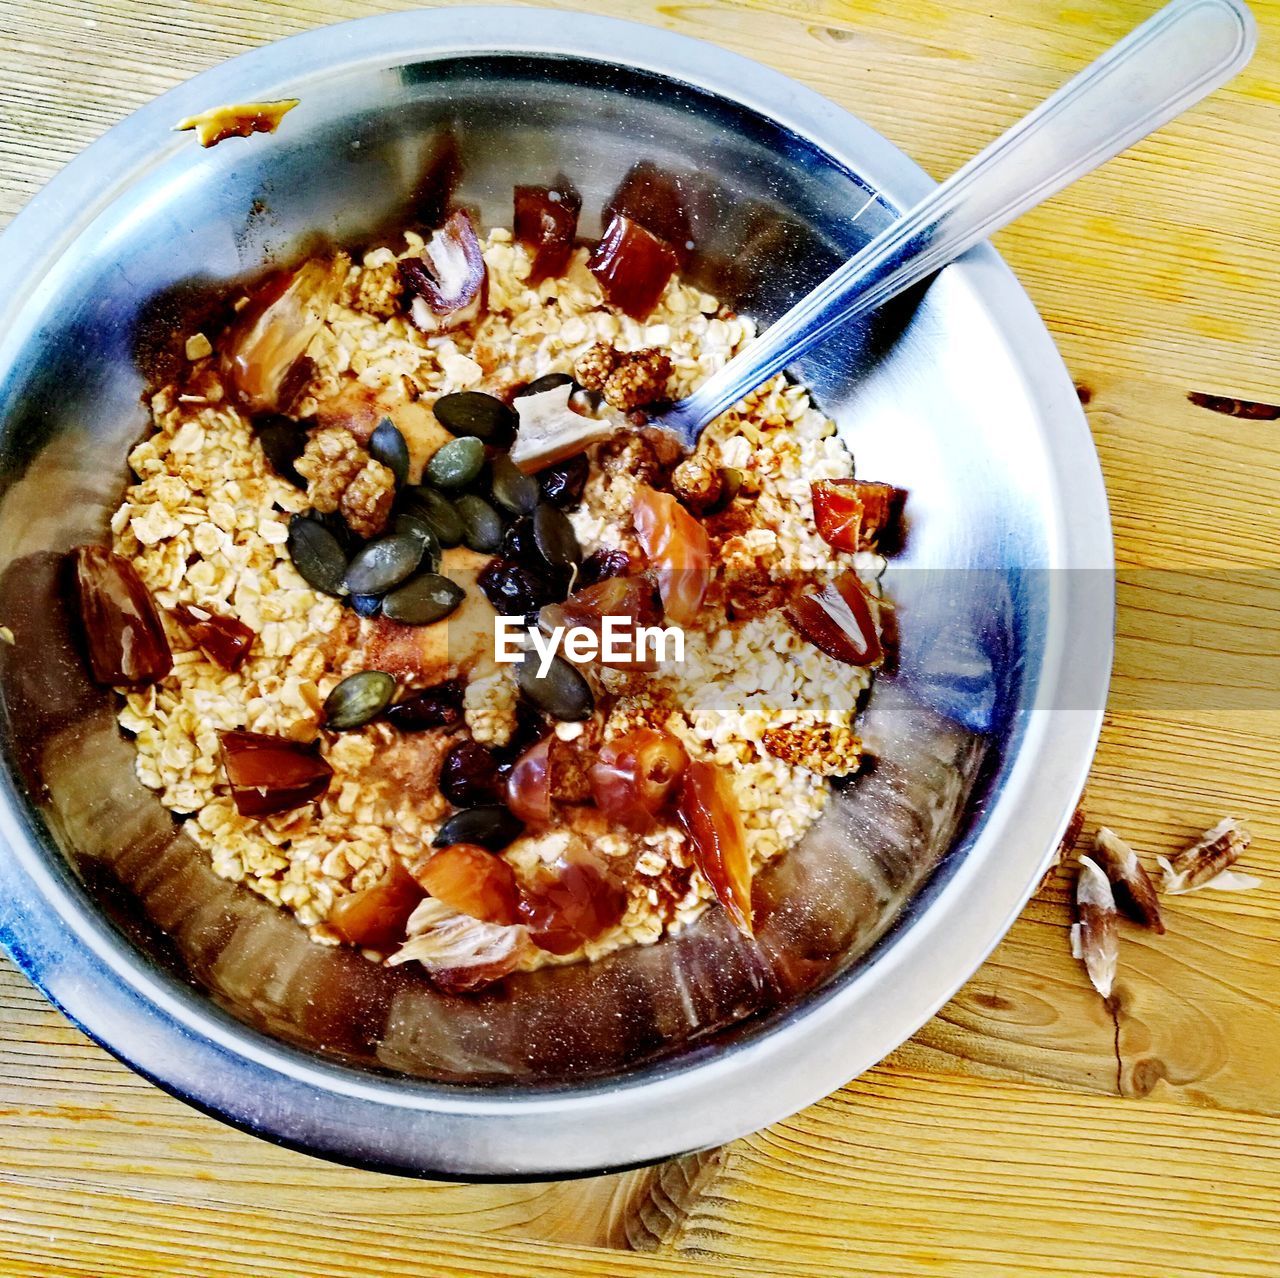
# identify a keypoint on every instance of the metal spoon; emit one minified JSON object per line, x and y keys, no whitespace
{"x":1166,"y":65}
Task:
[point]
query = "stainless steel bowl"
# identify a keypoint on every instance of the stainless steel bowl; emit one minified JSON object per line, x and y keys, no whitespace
{"x":983,"y":735}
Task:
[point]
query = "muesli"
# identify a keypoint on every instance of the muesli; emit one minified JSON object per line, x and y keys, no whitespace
{"x":370,"y":463}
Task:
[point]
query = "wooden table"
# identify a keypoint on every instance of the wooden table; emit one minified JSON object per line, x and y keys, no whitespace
{"x":1027,"y":1128}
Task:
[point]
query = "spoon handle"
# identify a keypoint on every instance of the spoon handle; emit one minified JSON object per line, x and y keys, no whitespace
{"x":1171,"y":61}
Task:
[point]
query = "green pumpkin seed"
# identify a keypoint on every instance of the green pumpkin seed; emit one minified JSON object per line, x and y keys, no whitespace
{"x":513,"y":490}
{"x":555,"y":538}
{"x":317,"y":555}
{"x":492,"y":827}
{"x":413,"y":524}
{"x":357,"y":699}
{"x":387,"y":446}
{"x":548,"y":381}
{"x":425,"y":599}
{"x":456,"y":464}
{"x":437,"y":512}
{"x":562,"y":692}
{"x":475,"y":413}
{"x":481,"y":525}
{"x":383,"y":564}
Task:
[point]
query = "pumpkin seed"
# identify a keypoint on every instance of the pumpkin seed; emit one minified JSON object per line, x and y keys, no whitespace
{"x":383,"y":564}
{"x":562,"y":692}
{"x":548,"y":381}
{"x":365,"y":605}
{"x":478,"y":414}
{"x":415,"y":525}
{"x":555,"y":538}
{"x":481,"y":525}
{"x":357,"y":699}
{"x":457,"y":463}
{"x":437,"y":512}
{"x":425,"y":599}
{"x":283,"y":440}
{"x":491,"y":826}
{"x":513,"y":490}
{"x":317,"y":555}
{"x":387,"y":445}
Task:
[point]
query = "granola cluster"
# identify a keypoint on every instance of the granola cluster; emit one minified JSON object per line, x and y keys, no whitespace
{"x":341,"y":476}
{"x":626,"y":379}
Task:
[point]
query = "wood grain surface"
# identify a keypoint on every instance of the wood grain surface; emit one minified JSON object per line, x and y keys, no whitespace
{"x":1029,"y":1128}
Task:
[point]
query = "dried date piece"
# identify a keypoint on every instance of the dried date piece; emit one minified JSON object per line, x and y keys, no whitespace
{"x":123,"y":632}
{"x":448,"y":281}
{"x":677,"y":548}
{"x":576,"y":902}
{"x":1132,"y":886}
{"x":376,"y":916}
{"x":636,"y":777}
{"x":1095,"y":939}
{"x":273,"y":332}
{"x":270,"y":774}
{"x":838,"y":620}
{"x":226,"y":640}
{"x":1207,"y":862}
{"x":852,"y":514}
{"x":472,"y":881}
{"x":708,"y":813}
{"x":656,"y":199}
{"x":633,"y":267}
{"x":546,"y":221}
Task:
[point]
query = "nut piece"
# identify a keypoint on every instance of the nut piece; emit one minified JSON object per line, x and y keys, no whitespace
{"x":366,"y":505}
{"x":1133,"y":889}
{"x":626,"y":379}
{"x":1208,"y":861}
{"x":822,"y":748}
{"x":340,"y":474}
{"x":1094,"y":938}
{"x":697,"y":483}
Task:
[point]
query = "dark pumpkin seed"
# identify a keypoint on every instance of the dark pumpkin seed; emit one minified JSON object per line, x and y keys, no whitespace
{"x":384,"y":564}
{"x":478,"y":414}
{"x":457,"y":463}
{"x":283,"y":440}
{"x":358,"y":699}
{"x":562,"y":692}
{"x":387,"y":445}
{"x":491,"y":826}
{"x":415,"y":525}
{"x":557,"y":542}
{"x":513,"y":490}
{"x":481,"y":524}
{"x":317,"y":555}
{"x":424,"y":600}
{"x":365,"y":605}
{"x":437,"y":512}
{"x":548,"y":381}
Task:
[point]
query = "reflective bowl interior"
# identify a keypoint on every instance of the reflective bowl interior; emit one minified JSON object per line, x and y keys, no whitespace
{"x":927,"y":396}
